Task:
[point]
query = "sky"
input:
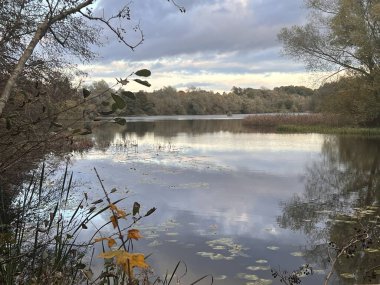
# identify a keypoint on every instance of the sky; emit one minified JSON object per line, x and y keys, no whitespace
{"x":215,"y":45}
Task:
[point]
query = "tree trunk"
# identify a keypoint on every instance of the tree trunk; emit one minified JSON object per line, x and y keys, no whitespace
{"x":41,"y":30}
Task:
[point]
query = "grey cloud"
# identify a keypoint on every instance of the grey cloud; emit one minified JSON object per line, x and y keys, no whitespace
{"x":207,"y":26}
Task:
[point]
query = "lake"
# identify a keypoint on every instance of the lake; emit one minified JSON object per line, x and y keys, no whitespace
{"x":233,"y":202}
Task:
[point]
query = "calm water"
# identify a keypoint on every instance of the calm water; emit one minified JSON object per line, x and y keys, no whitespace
{"x":232,"y":202}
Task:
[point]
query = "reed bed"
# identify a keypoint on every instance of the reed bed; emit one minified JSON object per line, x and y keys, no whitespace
{"x":371,"y":132}
{"x":307,"y":123}
{"x":275,"y":120}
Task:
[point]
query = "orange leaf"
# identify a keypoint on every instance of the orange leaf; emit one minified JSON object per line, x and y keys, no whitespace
{"x":111,"y":242}
{"x":134,"y":234}
{"x":113,"y":207}
{"x":121,"y":213}
{"x":138,"y":260}
{"x":111,"y":253}
{"x":126,"y":260}
{"x":99,"y":239}
{"x":114,"y":221}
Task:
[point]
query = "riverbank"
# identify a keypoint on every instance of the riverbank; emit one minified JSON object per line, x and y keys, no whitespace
{"x":308,"y":123}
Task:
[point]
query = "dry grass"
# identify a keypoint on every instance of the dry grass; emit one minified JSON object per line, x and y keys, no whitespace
{"x":270,"y":121}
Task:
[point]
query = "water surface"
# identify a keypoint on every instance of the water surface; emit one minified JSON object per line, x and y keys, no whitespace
{"x":231,"y":202}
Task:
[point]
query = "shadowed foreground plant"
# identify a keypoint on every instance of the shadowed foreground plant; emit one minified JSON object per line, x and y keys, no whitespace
{"x":42,"y":244}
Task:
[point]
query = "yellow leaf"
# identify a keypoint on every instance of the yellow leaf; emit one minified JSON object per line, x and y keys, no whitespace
{"x":111,"y":254}
{"x":111,"y":242}
{"x":116,"y":211}
{"x":113,"y":207}
{"x":134,"y":234}
{"x":114,"y":221}
{"x":126,"y":260}
{"x":99,"y":239}
{"x":121,"y":213}
{"x":138,"y":260}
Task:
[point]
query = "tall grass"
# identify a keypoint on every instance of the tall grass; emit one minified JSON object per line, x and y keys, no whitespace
{"x":307,"y":123}
{"x":275,"y":120}
{"x":41,"y":245}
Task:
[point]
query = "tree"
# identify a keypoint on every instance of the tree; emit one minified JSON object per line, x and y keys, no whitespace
{"x":34,"y":32}
{"x":342,"y":36}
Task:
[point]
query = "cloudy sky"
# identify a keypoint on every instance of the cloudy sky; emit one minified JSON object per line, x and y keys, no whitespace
{"x":215,"y":45}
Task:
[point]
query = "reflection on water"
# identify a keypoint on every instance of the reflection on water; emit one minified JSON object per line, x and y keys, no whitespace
{"x":342,"y":194}
{"x":220,"y":189}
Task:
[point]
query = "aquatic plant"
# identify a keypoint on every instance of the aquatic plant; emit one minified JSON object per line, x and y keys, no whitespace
{"x":42,"y":244}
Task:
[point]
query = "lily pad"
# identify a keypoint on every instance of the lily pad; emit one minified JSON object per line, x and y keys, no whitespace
{"x":260,"y":282}
{"x":297,"y":253}
{"x":250,"y":277}
{"x":154,"y":243}
{"x":319,"y":271}
{"x":220,"y":277}
{"x":371,"y":250}
{"x":347,"y":275}
{"x":257,"y":268}
{"x":219,"y":247}
{"x":214,"y":256}
{"x":273,"y":247}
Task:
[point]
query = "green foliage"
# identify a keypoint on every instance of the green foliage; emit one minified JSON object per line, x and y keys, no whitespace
{"x":143,"y":73}
{"x":120,"y":104}
{"x":169,"y":101}
{"x":86,"y":92}
{"x":142,"y":82}
{"x":329,"y":41}
{"x":353,"y":98}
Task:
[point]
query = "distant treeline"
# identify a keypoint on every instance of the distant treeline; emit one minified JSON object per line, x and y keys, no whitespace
{"x":348,"y":97}
{"x":194,"y":101}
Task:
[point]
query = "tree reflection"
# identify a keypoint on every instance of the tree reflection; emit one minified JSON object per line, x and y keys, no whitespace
{"x":342,"y":195}
{"x":105,"y":133}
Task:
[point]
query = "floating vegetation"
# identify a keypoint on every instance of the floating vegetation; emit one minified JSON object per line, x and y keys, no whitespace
{"x":258,"y":268}
{"x":348,"y":275}
{"x":195,"y":185}
{"x":219,"y":247}
{"x":324,"y":212}
{"x":367,"y":212}
{"x":215,"y":256}
{"x":261,"y":261}
{"x":220,"y":277}
{"x":151,"y":236}
{"x":344,"y":221}
{"x":297,"y":253}
{"x":260,"y":282}
{"x":371,"y":250}
{"x":251,"y":277}
{"x":154,"y":243}
{"x":273,"y":247}
{"x":233,"y":249}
